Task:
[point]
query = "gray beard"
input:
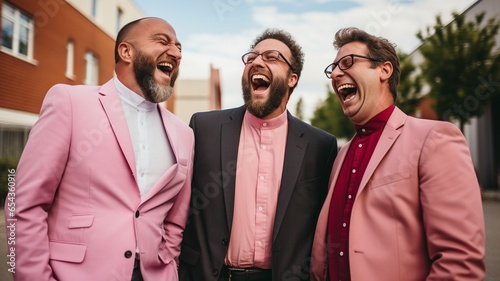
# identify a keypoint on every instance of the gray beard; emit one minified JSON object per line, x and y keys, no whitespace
{"x":153,"y":92}
{"x":157,"y":93}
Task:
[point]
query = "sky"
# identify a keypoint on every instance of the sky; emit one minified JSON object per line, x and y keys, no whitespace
{"x":218,"y":32}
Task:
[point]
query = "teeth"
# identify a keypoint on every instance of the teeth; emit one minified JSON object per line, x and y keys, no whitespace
{"x":259,"y":76}
{"x":345,"y":86}
{"x":166,"y":64}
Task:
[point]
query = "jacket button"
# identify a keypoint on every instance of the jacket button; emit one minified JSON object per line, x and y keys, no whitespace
{"x":128,"y":254}
{"x":215,"y":273}
{"x":137,"y":214}
{"x":225,"y":242}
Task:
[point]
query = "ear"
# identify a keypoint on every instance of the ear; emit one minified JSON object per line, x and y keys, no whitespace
{"x":125,"y":51}
{"x":385,"y":71}
{"x":292,"y":80}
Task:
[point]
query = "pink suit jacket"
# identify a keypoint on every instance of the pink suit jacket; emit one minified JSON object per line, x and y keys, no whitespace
{"x":78,"y":207}
{"x":418,"y":211}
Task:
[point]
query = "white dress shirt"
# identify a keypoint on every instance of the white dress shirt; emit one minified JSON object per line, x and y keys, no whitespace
{"x":152,"y":150}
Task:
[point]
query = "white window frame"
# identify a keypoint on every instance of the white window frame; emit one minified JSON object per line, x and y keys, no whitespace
{"x":91,"y":69}
{"x":15,"y":18}
{"x":70,"y":59}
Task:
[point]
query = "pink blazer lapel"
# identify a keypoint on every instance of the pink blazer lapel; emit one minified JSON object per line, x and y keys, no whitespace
{"x":113,"y":108}
{"x":389,"y":135}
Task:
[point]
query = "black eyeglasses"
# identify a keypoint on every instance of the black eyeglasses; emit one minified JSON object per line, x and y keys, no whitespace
{"x":344,"y":63}
{"x":269,"y":55}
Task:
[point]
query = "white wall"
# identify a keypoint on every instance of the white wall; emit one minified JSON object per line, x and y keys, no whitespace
{"x":106,"y":13}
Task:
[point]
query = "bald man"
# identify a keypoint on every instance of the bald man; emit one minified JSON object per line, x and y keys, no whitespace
{"x":103,"y":185}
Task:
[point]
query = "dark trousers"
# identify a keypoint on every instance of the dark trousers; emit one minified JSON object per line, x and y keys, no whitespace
{"x":136,"y":274}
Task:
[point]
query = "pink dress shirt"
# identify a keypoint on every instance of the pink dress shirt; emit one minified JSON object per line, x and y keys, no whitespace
{"x":259,"y":168}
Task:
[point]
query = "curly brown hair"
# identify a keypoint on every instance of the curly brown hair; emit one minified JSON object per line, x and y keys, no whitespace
{"x":297,"y":55}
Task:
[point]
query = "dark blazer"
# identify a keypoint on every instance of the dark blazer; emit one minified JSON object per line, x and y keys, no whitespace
{"x":309,"y":155}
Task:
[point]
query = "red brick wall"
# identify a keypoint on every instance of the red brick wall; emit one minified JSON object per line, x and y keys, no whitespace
{"x":23,"y":85}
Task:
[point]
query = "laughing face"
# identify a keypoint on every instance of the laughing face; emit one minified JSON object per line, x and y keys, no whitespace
{"x":155,"y":89}
{"x":266,"y":84}
{"x":153,"y":51}
{"x":361,"y":89}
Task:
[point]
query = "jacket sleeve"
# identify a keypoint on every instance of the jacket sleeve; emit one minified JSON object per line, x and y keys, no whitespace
{"x":451,"y":206}
{"x":175,"y":222}
{"x":37,"y":179}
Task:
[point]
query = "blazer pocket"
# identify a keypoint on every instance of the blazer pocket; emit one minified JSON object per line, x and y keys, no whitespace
{"x":309,"y":183}
{"x":188,"y":255}
{"x":81,"y":221}
{"x":391,"y":178}
{"x":67,"y":252}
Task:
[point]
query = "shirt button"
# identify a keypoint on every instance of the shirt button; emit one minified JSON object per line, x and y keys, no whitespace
{"x":341,"y":254}
{"x":215,"y":272}
{"x":264,"y":147}
{"x":344,"y":224}
{"x":225,"y":242}
{"x":360,"y":145}
{"x":261,"y":178}
{"x":349,"y":196}
{"x":260,"y":208}
{"x":264,"y":124}
{"x":259,"y":243}
{"x":353,"y":171}
{"x":137,"y":214}
{"x":363,"y":130}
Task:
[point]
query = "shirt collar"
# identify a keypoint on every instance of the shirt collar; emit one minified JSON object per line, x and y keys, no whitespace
{"x":376,"y":123}
{"x":267,"y":124}
{"x":133,"y":99}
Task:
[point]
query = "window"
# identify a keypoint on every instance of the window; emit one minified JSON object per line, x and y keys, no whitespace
{"x":12,"y":141}
{"x":70,"y":58}
{"x":119,"y":16}
{"x":93,"y":8}
{"x":91,"y":69}
{"x":17,"y":32}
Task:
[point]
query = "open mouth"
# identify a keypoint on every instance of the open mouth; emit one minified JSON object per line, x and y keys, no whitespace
{"x":260,"y":82}
{"x":347,"y":91}
{"x":165,"y":67}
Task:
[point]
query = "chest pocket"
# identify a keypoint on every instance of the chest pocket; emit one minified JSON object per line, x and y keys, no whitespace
{"x":389,"y":179}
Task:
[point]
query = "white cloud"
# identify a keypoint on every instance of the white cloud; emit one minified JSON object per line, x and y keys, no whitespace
{"x":397,"y":21}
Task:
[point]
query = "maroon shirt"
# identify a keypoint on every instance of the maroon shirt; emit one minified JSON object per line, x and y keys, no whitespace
{"x":360,"y":151}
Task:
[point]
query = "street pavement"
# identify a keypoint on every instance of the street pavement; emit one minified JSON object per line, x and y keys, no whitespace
{"x":491,"y":217}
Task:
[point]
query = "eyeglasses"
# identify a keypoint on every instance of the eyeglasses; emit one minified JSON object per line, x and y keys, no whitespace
{"x":344,"y":63}
{"x":269,"y":55}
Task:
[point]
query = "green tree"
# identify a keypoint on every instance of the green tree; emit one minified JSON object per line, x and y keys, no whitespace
{"x":329,"y":116}
{"x":410,"y":85}
{"x":460,"y":65}
{"x":299,"y":109}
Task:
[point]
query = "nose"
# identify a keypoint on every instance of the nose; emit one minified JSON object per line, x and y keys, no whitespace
{"x":336,"y":72}
{"x":258,"y":60}
{"x":174,"y":52}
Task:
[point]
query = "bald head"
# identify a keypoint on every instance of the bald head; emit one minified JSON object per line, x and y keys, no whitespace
{"x":130,"y":30}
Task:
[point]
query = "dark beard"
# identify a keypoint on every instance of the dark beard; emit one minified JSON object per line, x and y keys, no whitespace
{"x":277,"y":92}
{"x":144,"y":70}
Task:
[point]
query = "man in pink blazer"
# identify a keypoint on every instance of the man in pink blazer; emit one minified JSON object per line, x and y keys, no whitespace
{"x":103,"y":185}
{"x":404,"y":202}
